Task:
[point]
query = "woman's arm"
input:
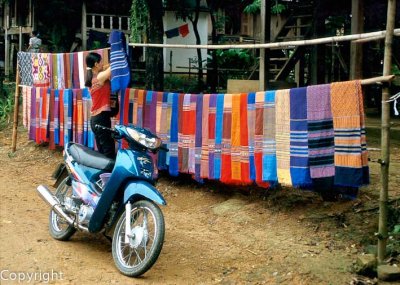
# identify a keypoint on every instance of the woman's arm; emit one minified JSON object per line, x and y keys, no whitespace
{"x":104,"y":75}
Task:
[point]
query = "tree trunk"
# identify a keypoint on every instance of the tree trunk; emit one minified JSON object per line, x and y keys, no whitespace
{"x":154,"y":56}
{"x":212,"y":74}
{"x":194,"y":21}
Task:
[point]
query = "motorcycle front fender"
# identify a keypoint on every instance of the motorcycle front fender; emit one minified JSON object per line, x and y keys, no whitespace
{"x":137,"y":190}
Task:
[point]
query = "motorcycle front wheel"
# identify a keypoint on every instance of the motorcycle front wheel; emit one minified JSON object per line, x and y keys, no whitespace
{"x":58,"y":227}
{"x":146,"y":239}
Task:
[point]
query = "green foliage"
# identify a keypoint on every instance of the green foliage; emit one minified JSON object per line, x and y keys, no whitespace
{"x":255,"y":6}
{"x":278,"y":8}
{"x":6,"y":106}
{"x":181,"y":84}
{"x":395,"y":69}
{"x":139,"y":20}
{"x":234,"y":58}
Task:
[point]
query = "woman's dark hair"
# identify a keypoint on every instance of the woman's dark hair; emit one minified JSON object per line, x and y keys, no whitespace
{"x":91,"y":60}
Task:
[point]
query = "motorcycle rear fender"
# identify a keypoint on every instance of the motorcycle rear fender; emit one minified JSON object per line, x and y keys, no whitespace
{"x":59,"y":174}
{"x":139,"y":190}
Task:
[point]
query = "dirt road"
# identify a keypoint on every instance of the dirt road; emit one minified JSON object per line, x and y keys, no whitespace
{"x":214,"y":234}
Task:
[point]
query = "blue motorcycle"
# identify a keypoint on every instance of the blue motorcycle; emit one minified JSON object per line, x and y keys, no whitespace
{"x":95,"y":193}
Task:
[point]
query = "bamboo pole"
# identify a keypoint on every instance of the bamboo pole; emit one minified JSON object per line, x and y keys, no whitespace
{"x":385,"y":135}
{"x":375,"y":80}
{"x":376,"y":38}
{"x":332,"y":40}
{"x":16,"y":111}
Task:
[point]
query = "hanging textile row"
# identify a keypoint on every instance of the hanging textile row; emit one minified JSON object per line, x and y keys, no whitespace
{"x":295,"y":137}
{"x":55,"y":70}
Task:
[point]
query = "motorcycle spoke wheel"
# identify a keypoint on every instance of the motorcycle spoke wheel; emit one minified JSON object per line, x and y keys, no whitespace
{"x":145,"y":242}
{"x":58,"y":227}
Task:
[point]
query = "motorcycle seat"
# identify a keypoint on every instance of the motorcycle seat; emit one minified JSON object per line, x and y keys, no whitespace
{"x":88,"y":157}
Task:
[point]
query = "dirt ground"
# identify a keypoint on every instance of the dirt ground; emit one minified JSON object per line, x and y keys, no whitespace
{"x":214,"y":234}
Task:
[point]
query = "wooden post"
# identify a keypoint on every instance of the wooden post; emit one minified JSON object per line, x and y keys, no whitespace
{"x":357,"y":27}
{"x":84,"y":27}
{"x":16,"y":111}
{"x":385,"y":138}
{"x":261,"y":75}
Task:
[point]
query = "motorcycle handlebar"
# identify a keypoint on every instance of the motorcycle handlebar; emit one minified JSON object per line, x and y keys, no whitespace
{"x":100,"y":127}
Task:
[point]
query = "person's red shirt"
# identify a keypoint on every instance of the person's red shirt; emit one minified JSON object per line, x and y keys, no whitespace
{"x":100,"y":97}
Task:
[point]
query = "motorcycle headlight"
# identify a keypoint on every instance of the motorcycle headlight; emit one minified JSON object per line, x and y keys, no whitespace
{"x":143,"y":139}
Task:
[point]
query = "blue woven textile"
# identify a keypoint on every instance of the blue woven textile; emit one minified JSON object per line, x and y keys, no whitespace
{"x":120,"y":73}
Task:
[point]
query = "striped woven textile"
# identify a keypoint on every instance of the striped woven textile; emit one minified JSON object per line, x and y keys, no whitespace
{"x":68,"y":107}
{"x":211,"y":135}
{"x":251,"y":125}
{"x":25,"y":117}
{"x":198,"y":136}
{"x":204,"y":145}
{"x":163,"y":133}
{"x":45,"y":124}
{"x":25,"y":68}
{"x":185,"y":130}
{"x":173,"y":147}
{"x":258,"y":135}
{"x":120,"y":73}
{"x":244,"y":142}
{"x":168,"y":122}
{"x":56,"y":117}
{"x":320,"y":131}
{"x":81,"y":69}
{"x":51,"y":118}
{"x":299,"y":164}
{"x":54,"y":71}
{"x":32,"y":129}
{"x":38,"y":105}
{"x":226,"y":165}
{"x":61,"y":116}
{"x":192,"y":133}
{"x":351,"y":157}
{"x":282,"y":135}
{"x":236,"y":171}
{"x":219,"y":127}
{"x":87,"y":107}
{"x":269,"y":173}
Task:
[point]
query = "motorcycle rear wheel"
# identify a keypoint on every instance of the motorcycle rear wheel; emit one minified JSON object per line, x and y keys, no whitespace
{"x":147,"y":237}
{"x":59,"y":228}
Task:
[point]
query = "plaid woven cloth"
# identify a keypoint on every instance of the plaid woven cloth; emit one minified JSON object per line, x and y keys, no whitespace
{"x":299,"y":164}
{"x":320,"y":131}
{"x":282,"y":124}
{"x":351,"y":157}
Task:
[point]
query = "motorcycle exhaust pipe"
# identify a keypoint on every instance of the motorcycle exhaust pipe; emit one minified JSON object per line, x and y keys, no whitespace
{"x":53,"y":202}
